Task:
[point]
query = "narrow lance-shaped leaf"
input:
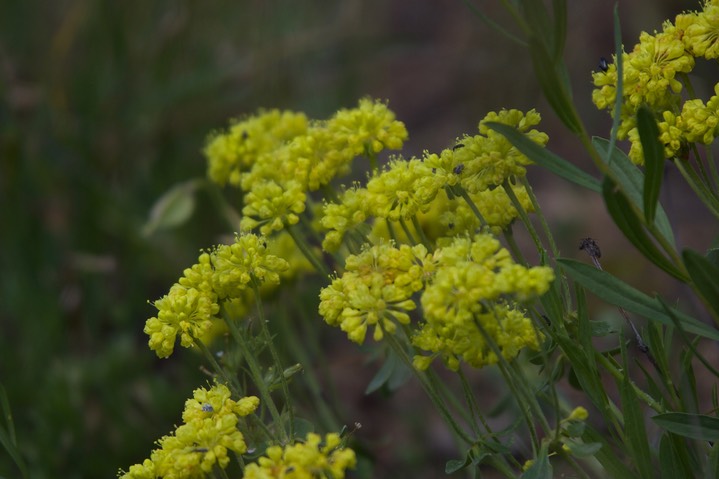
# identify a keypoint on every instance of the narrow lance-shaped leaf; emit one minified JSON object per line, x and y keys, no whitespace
{"x":705,"y":276}
{"x":545,"y":158}
{"x":631,"y":181}
{"x":560,"y":26}
{"x":653,"y":161}
{"x":623,"y":215}
{"x":634,"y":429}
{"x":695,"y":426}
{"x":616,"y":292}
{"x":555,"y":90}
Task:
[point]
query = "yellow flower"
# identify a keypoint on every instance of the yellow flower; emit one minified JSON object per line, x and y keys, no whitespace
{"x":202,"y":442}
{"x":313,"y":458}
{"x":271,"y":206}
{"x":186,"y":312}
{"x":465,"y":300}
{"x":249,"y":141}
{"x":247,"y":259}
{"x":367,"y":129}
{"x":376,"y":290}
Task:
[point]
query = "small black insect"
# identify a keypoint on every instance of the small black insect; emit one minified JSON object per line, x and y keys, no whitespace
{"x":457,"y":146}
{"x":603,"y":64}
{"x":458,"y":169}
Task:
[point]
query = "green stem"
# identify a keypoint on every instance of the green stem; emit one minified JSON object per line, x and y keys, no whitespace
{"x":477,"y":413}
{"x":463,"y":193}
{"x":310,"y":378}
{"x":512,"y":245}
{"x":712,"y":165}
{"x":429,"y":389}
{"x":699,"y":188}
{"x":516,"y":382}
{"x":256,"y":375}
{"x":614,"y":371}
{"x":307,"y":251}
{"x":231,"y":382}
{"x":550,"y":237}
{"x":407,"y":231}
{"x":275,"y":358}
{"x":524,"y":217}
{"x":423,"y":237}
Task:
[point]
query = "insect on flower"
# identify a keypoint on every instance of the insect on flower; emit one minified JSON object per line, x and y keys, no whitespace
{"x":603,"y":64}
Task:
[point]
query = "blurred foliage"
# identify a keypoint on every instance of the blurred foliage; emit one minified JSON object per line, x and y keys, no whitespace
{"x":104,"y":106}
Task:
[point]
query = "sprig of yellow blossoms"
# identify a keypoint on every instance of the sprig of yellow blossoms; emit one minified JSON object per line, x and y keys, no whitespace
{"x":277,"y":158}
{"x":467,"y":286}
{"x":313,"y":458}
{"x":222,"y":276}
{"x":209,"y":431}
{"x":428,"y":188}
{"x":653,"y":74}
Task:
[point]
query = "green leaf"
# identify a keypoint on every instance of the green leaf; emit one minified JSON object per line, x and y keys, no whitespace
{"x":670,"y":465}
{"x":8,"y":440}
{"x":695,"y":426}
{"x":555,"y":90}
{"x":705,"y":276}
{"x":712,"y":464}
{"x":674,"y":457}
{"x":631,"y":181}
{"x":545,"y":158}
{"x":614,"y":291}
{"x":474,"y":457}
{"x":384,"y":373}
{"x":560,"y":26}
{"x":540,"y":468}
{"x":583,"y":449}
{"x":623,"y":215}
{"x":607,"y":456}
{"x":173,"y":208}
{"x":634,"y":430}
{"x":653,"y":161}
{"x":302,"y":427}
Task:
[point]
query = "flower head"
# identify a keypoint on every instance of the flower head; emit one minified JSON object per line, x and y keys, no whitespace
{"x":375,"y":290}
{"x":244,"y":261}
{"x":313,"y":458}
{"x":466,"y":303}
{"x":202,"y":442}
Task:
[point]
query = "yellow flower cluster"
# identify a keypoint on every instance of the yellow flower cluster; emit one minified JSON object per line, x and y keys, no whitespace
{"x":311,"y":459}
{"x":278,"y":157}
{"x":375,"y":290}
{"x":468,"y":303}
{"x":652,"y":73}
{"x":222,"y":276}
{"x":412,"y":189}
{"x":208,"y":432}
{"x":467,"y":291}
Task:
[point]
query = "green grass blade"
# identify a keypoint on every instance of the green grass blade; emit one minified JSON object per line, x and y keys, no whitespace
{"x":695,"y":426}
{"x":614,"y":291}
{"x":545,"y":158}
{"x":653,"y":161}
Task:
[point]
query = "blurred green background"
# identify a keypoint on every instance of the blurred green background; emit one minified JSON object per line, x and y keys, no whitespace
{"x":105,"y":105}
